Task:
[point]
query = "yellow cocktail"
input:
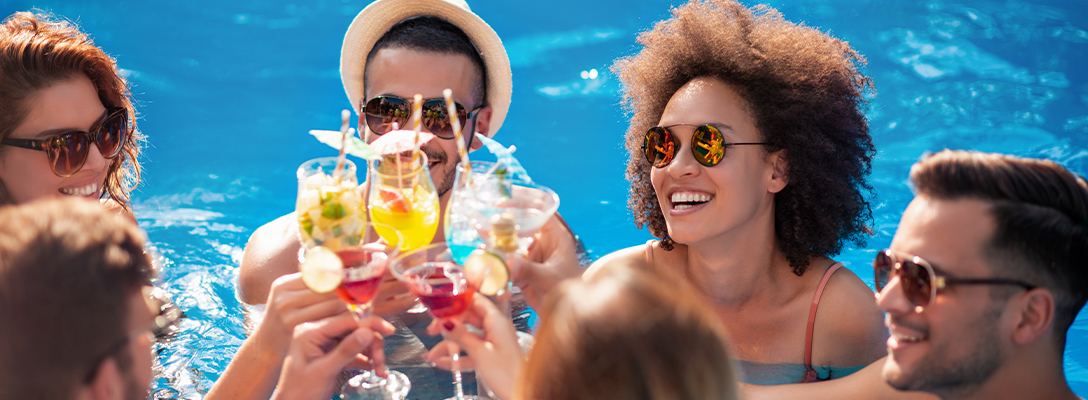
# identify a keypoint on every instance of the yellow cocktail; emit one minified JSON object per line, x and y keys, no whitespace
{"x":402,"y":196}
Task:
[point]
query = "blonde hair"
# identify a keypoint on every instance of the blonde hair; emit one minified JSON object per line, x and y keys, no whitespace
{"x":628,"y":334}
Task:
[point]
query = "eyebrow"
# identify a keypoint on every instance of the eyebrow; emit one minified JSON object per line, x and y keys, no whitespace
{"x":54,"y":132}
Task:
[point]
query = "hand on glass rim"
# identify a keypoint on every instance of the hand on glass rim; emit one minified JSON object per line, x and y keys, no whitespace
{"x":551,"y":259}
{"x":320,"y":350}
{"x":496,"y":357}
{"x":289,"y":304}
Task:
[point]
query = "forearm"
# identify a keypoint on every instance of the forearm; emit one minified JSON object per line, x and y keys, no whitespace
{"x":252,"y":374}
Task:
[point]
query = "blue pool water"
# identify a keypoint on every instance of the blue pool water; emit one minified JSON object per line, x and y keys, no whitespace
{"x":228,"y":90}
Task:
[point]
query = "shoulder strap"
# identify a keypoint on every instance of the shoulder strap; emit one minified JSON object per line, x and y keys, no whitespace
{"x":810,"y":374}
{"x":650,"y":253}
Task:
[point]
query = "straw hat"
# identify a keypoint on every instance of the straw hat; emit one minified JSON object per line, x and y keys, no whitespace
{"x":379,"y":16}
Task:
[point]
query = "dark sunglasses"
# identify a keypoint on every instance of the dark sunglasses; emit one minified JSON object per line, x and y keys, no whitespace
{"x":164,"y":326}
{"x":383,"y":111}
{"x":68,"y":151}
{"x":707,"y":145}
{"x":920,"y":284}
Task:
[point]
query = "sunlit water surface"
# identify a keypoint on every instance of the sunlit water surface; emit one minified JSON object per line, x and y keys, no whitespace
{"x":228,"y":90}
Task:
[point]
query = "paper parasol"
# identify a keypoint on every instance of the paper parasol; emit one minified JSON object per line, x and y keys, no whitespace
{"x":396,"y":142}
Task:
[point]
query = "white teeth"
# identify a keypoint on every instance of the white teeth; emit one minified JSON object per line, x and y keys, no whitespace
{"x":81,"y":191}
{"x":905,"y":338}
{"x":687,"y":197}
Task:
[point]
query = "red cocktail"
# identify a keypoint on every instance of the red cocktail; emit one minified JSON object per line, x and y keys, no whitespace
{"x":363,"y":270}
{"x":442,"y":287}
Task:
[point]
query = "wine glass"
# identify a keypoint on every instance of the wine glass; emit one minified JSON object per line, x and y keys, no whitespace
{"x":365,"y":266}
{"x":402,"y":196}
{"x":328,"y":204}
{"x":443,"y":285}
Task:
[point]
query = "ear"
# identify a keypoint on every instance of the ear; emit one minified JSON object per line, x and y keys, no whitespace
{"x":1035,"y":315}
{"x":483,"y":127}
{"x":108,"y":382}
{"x":779,"y":171}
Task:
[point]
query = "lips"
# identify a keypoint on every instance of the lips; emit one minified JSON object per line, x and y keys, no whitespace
{"x":684,"y":200}
{"x":902,"y":335}
{"x":88,"y":190}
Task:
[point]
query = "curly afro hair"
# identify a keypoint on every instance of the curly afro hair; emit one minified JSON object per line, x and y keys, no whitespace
{"x":806,"y":94}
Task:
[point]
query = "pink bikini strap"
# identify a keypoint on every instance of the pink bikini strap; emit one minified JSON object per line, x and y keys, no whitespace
{"x":810,"y":374}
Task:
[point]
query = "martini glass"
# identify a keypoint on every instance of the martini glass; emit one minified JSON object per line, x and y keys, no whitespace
{"x":364,"y":267}
{"x":443,"y":285}
{"x":403,"y":197}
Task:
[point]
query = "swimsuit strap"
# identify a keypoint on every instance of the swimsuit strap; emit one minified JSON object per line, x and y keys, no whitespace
{"x":650,"y":253}
{"x":810,"y":374}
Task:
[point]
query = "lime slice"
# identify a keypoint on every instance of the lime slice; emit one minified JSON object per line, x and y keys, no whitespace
{"x":322,"y":271}
{"x":481,"y":261}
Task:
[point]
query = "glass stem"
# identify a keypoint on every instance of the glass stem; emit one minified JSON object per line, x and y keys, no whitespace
{"x":455,"y":367}
{"x":362,"y":313}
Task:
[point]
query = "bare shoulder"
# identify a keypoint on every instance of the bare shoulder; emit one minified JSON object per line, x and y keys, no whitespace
{"x":634,"y":255}
{"x":849,"y":327}
{"x":272,"y":251}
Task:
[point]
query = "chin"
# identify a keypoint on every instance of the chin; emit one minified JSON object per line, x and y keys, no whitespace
{"x":893,"y":374}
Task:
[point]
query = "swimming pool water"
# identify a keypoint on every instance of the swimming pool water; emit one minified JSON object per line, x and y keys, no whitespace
{"x":228,"y":90}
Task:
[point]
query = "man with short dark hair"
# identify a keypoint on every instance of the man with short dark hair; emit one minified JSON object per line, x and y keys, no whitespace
{"x":983,"y":279}
{"x":74,"y":315}
{"x":78,"y":314}
{"x":987,"y":272}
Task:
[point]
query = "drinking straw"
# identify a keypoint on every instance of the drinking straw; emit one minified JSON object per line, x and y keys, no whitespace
{"x":344,"y":116}
{"x":417,"y":117}
{"x":455,"y":122}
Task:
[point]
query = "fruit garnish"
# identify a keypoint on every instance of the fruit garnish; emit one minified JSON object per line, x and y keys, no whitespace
{"x":485,"y":262}
{"x":322,"y":271}
{"x":394,"y":200}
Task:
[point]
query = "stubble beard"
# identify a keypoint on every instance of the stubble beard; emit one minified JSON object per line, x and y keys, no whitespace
{"x":443,"y":178}
{"x":950,"y":379}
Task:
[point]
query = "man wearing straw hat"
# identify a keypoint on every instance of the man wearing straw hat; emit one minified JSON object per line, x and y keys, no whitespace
{"x":393,"y":50}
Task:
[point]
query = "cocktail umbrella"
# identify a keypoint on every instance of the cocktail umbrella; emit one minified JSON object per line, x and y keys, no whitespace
{"x":396,"y":142}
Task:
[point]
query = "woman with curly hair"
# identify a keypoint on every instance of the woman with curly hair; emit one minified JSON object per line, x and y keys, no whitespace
{"x":749,"y":152}
{"x":67,"y":125}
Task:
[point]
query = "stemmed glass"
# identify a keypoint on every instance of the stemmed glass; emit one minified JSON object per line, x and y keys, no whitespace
{"x":402,"y":196}
{"x":328,"y":205}
{"x":443,"y":285}
{"x":365,"y":266}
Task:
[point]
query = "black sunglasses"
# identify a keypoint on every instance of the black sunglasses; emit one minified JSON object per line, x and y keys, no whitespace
{"x":384,"y":111}
{"x":68,"y":151}
{"x":920,"y":284}
{"x":707,"y":145}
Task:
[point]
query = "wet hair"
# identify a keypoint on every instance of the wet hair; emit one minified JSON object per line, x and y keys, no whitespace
{"x":628,"y":334}
{"x":38,"y":51}
{"x":805,"y":93}
{"x":435,"y":35}
{"x":68,"y":270}
{"x":1040,"y":212}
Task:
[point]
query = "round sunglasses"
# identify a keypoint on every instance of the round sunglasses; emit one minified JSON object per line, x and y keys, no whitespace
{"x":920,"y":284}
{"x":384,"y":111}
{"x":68,"y":151}
{"x":707,"y":145}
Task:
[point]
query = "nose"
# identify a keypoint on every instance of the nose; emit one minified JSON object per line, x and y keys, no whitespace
{"x":95,"y":162}
{"x":891,"y":298}
{"x":684,"y":165}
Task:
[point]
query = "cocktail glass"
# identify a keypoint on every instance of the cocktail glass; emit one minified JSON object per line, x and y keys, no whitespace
{"x":402,"y":196}
{"x":328,"y":204}
{"x":364,"y":267}
{"x":443,"y":285}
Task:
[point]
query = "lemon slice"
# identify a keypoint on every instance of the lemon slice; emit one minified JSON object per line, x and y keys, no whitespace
{"x":481,"y":261}
{"x":322,"y":271}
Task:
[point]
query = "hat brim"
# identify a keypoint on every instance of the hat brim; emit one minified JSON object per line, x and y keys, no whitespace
{"x":379,"y":16}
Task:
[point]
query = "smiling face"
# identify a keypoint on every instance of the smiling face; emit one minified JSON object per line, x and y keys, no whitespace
{"x":404,"y":73}
{"x":955,"y":343}
{"x":699,"y":202}
{"x":69,"y":105}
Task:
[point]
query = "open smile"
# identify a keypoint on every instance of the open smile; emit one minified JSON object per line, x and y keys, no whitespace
{"x":687,"y":201}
